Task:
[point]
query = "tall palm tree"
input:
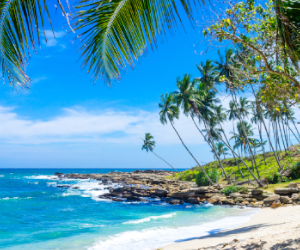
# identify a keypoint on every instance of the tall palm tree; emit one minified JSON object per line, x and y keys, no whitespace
{"x":208,"y":73}
{"x":149,"y":145}
{"x":221,"y":117}
{"x":222,"y":149}
{"x":169,"y":111}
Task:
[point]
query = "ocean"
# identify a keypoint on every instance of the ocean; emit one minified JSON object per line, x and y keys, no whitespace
{"x":37,"y":214}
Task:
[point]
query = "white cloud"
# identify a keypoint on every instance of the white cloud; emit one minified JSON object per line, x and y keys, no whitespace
{"x":52,"y":38}
{"x":80,"y":125}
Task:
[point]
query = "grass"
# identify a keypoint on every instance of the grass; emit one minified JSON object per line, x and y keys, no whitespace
{"x":271,"y":166}
{"x":272,"y":187}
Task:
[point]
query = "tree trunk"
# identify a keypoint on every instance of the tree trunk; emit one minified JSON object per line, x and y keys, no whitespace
{"x":263,"y":121}
{"x":211,"y":144}
{"x":165,"y":162}
{"x":209,"y":180}
{"x":261,"y":140}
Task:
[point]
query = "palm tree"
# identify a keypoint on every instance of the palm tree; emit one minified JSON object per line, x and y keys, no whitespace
{"x":221,"y":149}
{"x":169,"y":111}
{"x":257,"y":119}
{"x":208,"y":73}
{"x":149,"y":145}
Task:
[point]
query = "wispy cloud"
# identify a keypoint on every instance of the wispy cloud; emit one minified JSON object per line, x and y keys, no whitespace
{"x":53,"y":38}
{"x":80,"y":125}
{"x":38,"y":79}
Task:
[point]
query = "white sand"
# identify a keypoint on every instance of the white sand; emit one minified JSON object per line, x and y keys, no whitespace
{"x":269,"y":229}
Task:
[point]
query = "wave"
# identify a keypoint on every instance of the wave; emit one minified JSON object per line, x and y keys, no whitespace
{"x":1,"y":175}
{"x":160,"y":236}
{"x":42,"y":177}
{"x":15,"y":198}
{"x":150,"y":218}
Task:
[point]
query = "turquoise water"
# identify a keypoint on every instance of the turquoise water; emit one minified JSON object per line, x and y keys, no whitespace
{"x":36,"y":214}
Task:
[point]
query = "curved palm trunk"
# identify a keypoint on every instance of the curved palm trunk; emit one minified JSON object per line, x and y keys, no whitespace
{"x":209,"y":180}
{"x":294,"y":134}
{"x":246,"y":137}
{"x":216,"y":154}
{"x":263,"y":121}
{"x":253,"y":175}
{"x":280,"y":130}
{"x":236,"y":162}
{"x":166,"y":162}
{"x":261,"y":140}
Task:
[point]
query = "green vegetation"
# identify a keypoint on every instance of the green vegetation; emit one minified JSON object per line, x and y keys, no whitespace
{"x":269,"y":172}
{"x":233,"y":189}
{"x":201,"y":179}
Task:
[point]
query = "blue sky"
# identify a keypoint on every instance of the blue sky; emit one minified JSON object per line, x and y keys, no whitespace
{"x":67,"y":121}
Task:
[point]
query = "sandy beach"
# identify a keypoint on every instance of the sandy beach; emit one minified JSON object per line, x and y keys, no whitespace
{"x":269,"y":229}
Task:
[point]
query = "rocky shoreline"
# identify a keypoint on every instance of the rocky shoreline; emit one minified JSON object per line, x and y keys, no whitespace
{"x":152,"y":185}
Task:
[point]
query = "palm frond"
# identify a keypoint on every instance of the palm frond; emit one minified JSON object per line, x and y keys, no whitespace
{"x":115,"y":33}
{"x":20,"y":26}
{"x":288,"y":22}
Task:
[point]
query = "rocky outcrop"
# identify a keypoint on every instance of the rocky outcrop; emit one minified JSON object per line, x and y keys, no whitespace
{"x":153,"y":186}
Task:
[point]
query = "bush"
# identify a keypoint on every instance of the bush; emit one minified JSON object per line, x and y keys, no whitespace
{"x":295,"y":171}
{"x":228,"y":190}
{"x":233,"y":189}
{"x":275,"y":177}
{"x":201,"y":179}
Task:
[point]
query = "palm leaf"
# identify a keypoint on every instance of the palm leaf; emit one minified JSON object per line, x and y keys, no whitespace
{"x":115,"y":33}
{"x":288,"y":21}
{"x":20,"y":24}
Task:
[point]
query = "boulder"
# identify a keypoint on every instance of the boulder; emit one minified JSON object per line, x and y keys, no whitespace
{"x":258,"y":204}
{"x":238,"y":200}
{"x":286,"y":191}
{"x":174,"y":202}
{"x":226,"y":201}
{"x":271,"y":199}
{"x":245,"y":203}
{"x":117,"y":199}
{"x":293,"y":185}
{"x":235,"y":195}
{"x":201,"y":190}
{"x":256,"y":191}
{"x":285,"y":200}
{"x":193,"y":201}
{"x":214,"y":200}
{"x":180,"y":195}
{"x":276,"y":204}
{"x":161,"y":193}
{"x":295,"y":197}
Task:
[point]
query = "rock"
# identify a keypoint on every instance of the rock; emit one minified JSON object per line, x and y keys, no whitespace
{"x":75,"y":188}
{"x":117,"y":199}
{"x":238,"y":200}
{"x":235,"y":195}
{"x":245,"y":203}
{"x":271,"y":199}
{"x":226,"y":201}
{"x":256,"y":191}
{"x":258,"y":204}
{"x":214,"y":200}
{"x":174,"y":202}
{"x":293,"y":185}
{"x":180,"y":195}
{"x":201,"y":190}
{"x":295,"y":197}
{"x":161,"y":193}
{"x":285,"y":200}
{"x":193,"y":201}
{"x":276,"y":204}
{"x":286,"y":191}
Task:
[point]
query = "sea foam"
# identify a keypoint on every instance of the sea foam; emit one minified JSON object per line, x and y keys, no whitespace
{"x":159,"y":236}
{"x":150,"y":218}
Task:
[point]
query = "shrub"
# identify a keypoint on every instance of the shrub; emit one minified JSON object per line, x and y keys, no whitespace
{"x":295,"y":171}
{"x":228,"y":190}
{"x":201,"y":179}
{"x":233,"y":189}
{"x":275,"y":177}
{"x":243,"y":190}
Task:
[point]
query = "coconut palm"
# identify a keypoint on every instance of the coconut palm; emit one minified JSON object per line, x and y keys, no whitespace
{"x":208,"y":73}
{"x":221,"y":149}
{"x":168,"y":112}
{"x":149,"y":145}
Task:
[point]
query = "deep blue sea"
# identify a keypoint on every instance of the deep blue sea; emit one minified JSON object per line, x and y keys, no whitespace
{"x":36,"y":214}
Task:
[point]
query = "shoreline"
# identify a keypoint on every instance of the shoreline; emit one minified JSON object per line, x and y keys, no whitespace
{"x":269,"y":227}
